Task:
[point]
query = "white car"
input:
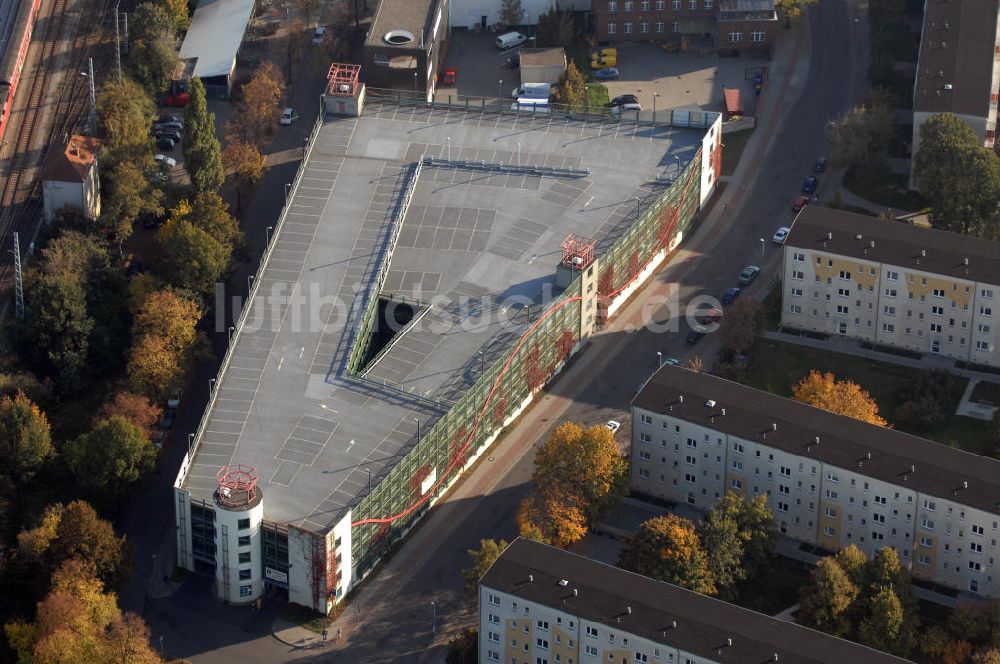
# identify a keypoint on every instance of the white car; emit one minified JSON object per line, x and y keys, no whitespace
{"x":165,"y":161}
{"x":287,"y":116}
{"x":318,"y":35}
{"x":174,"y":400}
{"x":781,"y":234}
{"x":613,"y":426}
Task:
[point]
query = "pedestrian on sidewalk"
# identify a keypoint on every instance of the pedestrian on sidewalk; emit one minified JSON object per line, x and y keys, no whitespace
{"x":326,"y":634}
{"x":338,"y":633}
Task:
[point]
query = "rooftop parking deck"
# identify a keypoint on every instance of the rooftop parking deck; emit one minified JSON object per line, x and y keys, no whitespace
{"x":477,"y":247}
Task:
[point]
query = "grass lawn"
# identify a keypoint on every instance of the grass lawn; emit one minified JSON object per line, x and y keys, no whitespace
{"x":984,"y":391}
{"x":889,"y":190}
{"x":597,"y":96}
{"x":775,"y":588}
{"x":732,"y":149}
{"x":775,"y":367}
{"x":303,"y":617}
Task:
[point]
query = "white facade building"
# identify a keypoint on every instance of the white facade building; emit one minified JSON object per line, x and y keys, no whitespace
{"x":70,"y":178}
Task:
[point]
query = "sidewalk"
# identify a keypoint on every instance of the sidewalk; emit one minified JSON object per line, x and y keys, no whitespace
{"x":839,"y":344}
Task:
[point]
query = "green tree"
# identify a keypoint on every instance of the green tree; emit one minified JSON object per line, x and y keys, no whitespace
{"x":25,"y":437}
{"x":556,"y":28}
{"x":127,"y":195}
{"x":755,"y":528}
{"x":480,"y":560}
{"x":959,"y":177}
{"x":178,"y":12}
{"x":882,"y":622}
{"x":75,"y":531}
{"x":585,"y":463}
{"x":793,"y":8}
{"x":667,"y":548}
{"x":209,"y":212}
{"x":740,"y":325}
{"x":573,"y":87}
{"x":191,"y":258}
{"x":511,"y":12}
{"x":854,"y":562}
{"x":827,"y":598}
{"x":201,"y":145}
{"x":720,"y":535}
{"x":124,"y":111}
{"x":111,"y":457}
{"x":153,"y":45}
{"x":859,"y":139}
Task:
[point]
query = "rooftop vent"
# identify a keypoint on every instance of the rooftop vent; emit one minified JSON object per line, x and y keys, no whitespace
{"x":531,"y":578}
{"x":723,"y":411}
{"x":965,"y":261}
{"x":774,"y":426}
{"x":576,"y":593}
{"x":710,"y":403}
{"x":859,"y":236}
{"x":729,"y":642}
{"x":947,"y":86}
{"x":873,"y":244}
{"x":398,"y":37}
{"x":628,"y":610}
{"x":923,"y":253}
{"x":680,"y":398}
{"x":563,"y":583}
{"x":829,"y":236}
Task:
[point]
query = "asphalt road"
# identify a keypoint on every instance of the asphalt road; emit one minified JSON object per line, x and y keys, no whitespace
{"x":397,"y":626}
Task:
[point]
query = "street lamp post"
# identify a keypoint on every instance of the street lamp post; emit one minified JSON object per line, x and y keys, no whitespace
{"x":761,"y":246}
{"x":418,"y":429}
{"x":655,"y":95}
{"x":500,"y":91}
{"x":482,"y":363}
{"x":433,"y":619}
{"x":249,"y":283}
{"x":414,"y":85}
{"x":659,"y":359}
{"x":288,"y":186}
{"x":678,"y":160}
{"x":637,"y":201}
{"x":449,"y":149}
{"x":231,"y":329}
{"x":369,"y":471}
{"x":305,"y":146}
{"x":267,"y":235}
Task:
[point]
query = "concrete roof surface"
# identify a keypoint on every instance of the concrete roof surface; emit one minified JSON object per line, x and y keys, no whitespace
{"x":411,"y":15}
{"x":215,"y":35}
{"x":285,"y":405}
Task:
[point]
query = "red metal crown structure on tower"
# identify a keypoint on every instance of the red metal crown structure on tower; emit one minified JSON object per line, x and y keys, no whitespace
{"x":578,"y":252}
{"x":237,"y":485}
{"x":342,"y":79}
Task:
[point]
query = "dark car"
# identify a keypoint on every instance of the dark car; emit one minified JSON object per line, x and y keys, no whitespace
{"x":820,"y":165}
{"x":709,"y":317}
{"x":172,"y":134}
{"x":730,"y":295}
{"x":164,"y":143}
{"x":167,"y":419}
{"x":170,"y":118}
{"x":622,"y":100}
{"x":809,"y":184}
{"x":607,"y":74}
{"x":800,"y":203}
{"x":694,"y":336}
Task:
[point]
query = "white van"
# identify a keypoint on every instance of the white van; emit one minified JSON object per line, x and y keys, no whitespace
{"x":536,"y":106}
{"x":533,"y":92}
{"x":510,"y":40}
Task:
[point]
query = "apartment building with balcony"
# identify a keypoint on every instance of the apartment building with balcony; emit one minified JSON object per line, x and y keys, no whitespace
{"x":892,"y":284}
{"x":830,"y":480}
{"x":731,"y":27}
{"x":958,"y":66}
{"x":542,"y":605}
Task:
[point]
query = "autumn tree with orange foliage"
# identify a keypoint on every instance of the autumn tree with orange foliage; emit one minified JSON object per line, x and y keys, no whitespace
{"x":579,"y":473}
{"x":78,"y":622}
{"x":667,"y":548}
{"x":165,"y":339}
{"x":257,"y":111}
{"x":843,"y":397}
{"x":135,"y":408}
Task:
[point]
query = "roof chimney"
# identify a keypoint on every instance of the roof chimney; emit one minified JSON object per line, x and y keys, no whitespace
{"x":923,"y":252}
{"x":576,"y":593}
{"x":531,"y":578}
{"x":965,"y":261}
{"x":680,"y":398}
{"x":965,"y":484}
{"x":710,"y":403}
{"x":873,"y":244}
{"x":628,"y":610}
{"x":829,"y":236}
{"x":723,"y":411}
{"x":774,"y":426}
{"x":729,"y":642}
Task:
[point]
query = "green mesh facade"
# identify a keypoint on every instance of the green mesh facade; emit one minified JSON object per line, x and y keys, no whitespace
{"x":534,"y":361}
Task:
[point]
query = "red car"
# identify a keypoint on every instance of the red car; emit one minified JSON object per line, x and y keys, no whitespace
{"x":450,"y":76}
{"x":800,"y":203}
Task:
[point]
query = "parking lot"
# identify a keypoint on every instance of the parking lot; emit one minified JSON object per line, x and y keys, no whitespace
{"x":481,"y":67}
{"x":682,"y":79}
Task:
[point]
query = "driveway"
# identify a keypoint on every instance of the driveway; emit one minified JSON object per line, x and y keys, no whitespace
{"x":682,"y":80}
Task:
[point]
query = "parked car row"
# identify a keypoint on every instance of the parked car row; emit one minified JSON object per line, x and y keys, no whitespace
{"x":167,"y":131}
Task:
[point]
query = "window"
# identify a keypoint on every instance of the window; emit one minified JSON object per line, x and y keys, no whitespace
{"x":692,"y":5}
{"x":244,"y":540}
{"x":878,"y":518}
{"x":660,"y":4}
{"x":644,"y":5}
{"x":612,"y":6}
{"x":643,"y":27}
{"x":494,"y":637}
{"x":889,"y":310}
{"x":986,"y":311}
{"x":842,"y":309}
{"x":628,"y":27}
{"x":628,"y":6}
{"x":832,"y":477}
{"x":797,"y":292}
{"x":735,"y":37}
{"x":675,"y":26}
{"x":659,"y":27}
{"x":677,"y":6}
{"x":930,"y":505}
{"x":798,"y":258}
{"x":591,"y":650}
{"x":542,"y":643}
{"x":987,"y":293}
{"x":975,"y":566}
{"x":591,"y":631}
{"x":829,"y":531}
{"x":797,"y":275}
{"x":757,"y":36}
{"x":494,"y":618}
{"x":243,"y":524}
{"x":892,"y":276}
{"x":890,"y":292}
{"x":926,"y":523}
{"x":832,"y":495}
{"x":938,"y":292}
{"x":782,"y":507}
{"x":846,"y":292}
{"x":877,"y":537}
{"x":246,"y":574}
{"x":245,"y":557}
{"x":937,"y":311}
{"x":707,"y":5}
{"x":612,"y":28}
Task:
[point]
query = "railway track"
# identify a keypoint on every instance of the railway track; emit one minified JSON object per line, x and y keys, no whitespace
{"x":20,"y":198}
